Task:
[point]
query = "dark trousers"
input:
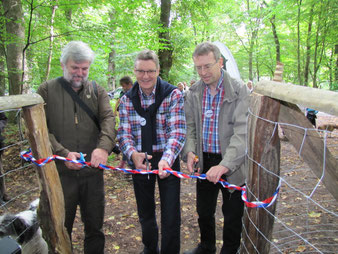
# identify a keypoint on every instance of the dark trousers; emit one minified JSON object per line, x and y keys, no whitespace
{"x":232,"y":208}
{"x":88,"y":192}
{"x":169,"y":190}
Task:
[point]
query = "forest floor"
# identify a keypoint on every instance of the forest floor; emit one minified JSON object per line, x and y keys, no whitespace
{"x":121,"y":226}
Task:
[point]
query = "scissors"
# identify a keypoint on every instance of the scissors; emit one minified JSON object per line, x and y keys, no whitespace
{"x":195,"y":169}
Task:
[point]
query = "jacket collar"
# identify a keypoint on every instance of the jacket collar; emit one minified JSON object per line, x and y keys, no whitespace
{"x":231,"y":87}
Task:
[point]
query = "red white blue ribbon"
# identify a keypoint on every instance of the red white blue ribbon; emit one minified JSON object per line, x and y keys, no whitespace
{"x":27,"y":156}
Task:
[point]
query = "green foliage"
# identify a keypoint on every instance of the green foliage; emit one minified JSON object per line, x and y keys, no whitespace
{"x":128,"y":26}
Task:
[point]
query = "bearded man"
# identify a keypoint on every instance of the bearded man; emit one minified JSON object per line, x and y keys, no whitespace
{"x":81,"y":124}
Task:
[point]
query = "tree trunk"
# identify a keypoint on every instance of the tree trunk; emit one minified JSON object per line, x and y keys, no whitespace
{"x":166,"y":50}
{"x":300,"y":80}
{"x":111,"y":59}
{"x":15,"y":34}
{"x":2,"y":67}
{"x":308,"y":48}
{"x":275,"y":36}
{"x":336,"y":67}
{"x":51,"y":41}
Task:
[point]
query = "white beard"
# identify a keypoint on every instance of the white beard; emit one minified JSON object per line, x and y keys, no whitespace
{"x":69,"y":78}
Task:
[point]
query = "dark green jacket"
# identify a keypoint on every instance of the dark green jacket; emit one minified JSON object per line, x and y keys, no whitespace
{"x":67,"y":136}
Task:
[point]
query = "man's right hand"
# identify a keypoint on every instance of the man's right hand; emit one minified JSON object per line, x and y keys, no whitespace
{"x":138,"y":159}
{"x":73,"y":156}
{"x":191,"y":160}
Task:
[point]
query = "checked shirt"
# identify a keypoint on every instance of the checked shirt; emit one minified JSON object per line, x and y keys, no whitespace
{"x":210,"y":112}
{"x":170,"y":125}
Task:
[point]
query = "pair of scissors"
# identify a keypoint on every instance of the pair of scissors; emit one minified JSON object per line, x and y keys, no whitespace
{"x":195,"y":169}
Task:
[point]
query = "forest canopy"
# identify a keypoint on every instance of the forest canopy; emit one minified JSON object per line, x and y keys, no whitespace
{"x":299,"y":33}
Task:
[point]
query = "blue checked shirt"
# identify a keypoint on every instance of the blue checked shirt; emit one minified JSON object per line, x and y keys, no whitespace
{"x":170,"y":125}
{"x":210,"y":111}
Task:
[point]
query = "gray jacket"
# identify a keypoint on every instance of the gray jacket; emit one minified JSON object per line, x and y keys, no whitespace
{"x":231,"y":126}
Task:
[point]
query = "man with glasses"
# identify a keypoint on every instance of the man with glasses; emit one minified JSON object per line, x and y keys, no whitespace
{"x":152,"y":127}
{"x":216,"y":109}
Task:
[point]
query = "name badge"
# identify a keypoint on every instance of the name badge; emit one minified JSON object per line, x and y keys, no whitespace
{"x":208,"y":113}
{"x":143,"y":121}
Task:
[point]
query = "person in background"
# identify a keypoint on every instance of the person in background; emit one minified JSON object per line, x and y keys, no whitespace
{"x":216,"y":109}
{"x":126,"y":83}
{"x":3,"y":195}
{"x":76,"y":131}
{"x":311,"y":115}
{"x":152,"y":127}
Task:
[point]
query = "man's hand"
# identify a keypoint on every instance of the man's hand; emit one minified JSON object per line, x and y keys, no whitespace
{"x":73,"y":156}
{"x":99,"y":156}
{"x":161,"y":165}
{"x":191,"y":160}
{"x":215,"y":173}
{"x":138,"y":159}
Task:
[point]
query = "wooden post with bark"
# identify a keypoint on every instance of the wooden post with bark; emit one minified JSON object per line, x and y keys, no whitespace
{"x":51,"y":207}
{"x":277,"y":106}
{"x":264,"y":165}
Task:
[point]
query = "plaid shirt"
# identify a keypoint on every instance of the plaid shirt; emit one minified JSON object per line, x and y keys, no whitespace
{"x":210,"y":111}
{"x":170,"y":125}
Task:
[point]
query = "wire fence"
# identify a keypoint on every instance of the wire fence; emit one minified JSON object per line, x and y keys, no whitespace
{"x":306,"y":218}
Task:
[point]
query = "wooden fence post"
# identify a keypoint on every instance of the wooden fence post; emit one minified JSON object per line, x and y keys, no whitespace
{"x":51,"y":208}
{"x":263,"y":152}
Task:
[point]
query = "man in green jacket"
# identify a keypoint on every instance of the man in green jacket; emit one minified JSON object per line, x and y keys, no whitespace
{"x":216,"y":110}
{"x":73,"y":132}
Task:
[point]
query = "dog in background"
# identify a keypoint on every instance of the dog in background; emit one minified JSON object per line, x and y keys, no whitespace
{"x":328,"y":127}
{"x":24,"y":227}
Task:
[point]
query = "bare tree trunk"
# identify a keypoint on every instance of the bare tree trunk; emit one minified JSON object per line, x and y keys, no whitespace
{"x":51,"y":41}
{"x":322,"y":29}
{"x":2,"y":66}
{"x":275,"y":36}
{"x":166,"y":50}
{"x":16,"y":34}
{"x":336,"y":67}
{"x":308,"y":48}
{"x":111,"y":60}
{"x":300,"y":80}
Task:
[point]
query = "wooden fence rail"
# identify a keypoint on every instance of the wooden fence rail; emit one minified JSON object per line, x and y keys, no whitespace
{"x":51,"y":208}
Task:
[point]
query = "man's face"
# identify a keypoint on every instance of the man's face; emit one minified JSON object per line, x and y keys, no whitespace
{"x":76,"y":72}
{"x":126,"y":86}
{"x":146,"y":74}
{"x":208,"y":68}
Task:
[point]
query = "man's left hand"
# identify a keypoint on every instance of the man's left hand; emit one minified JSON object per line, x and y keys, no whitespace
{"x":161,"y":165}
{"x":99,"y":156}
{"x":215,"y":173}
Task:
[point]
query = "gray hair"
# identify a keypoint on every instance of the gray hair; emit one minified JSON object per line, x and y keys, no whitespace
{"x":78,"y":51}
{"x":205,"y":48}
{"x":148,"y":55}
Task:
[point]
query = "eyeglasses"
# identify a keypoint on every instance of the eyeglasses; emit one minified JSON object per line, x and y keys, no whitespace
{"x":206,"y":67}
{"x":142,"y":72}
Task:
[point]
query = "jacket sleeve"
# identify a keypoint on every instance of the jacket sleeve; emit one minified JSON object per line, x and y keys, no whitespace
{"x":107,"y":122}
{"x":235,"y":153}
{"x":57,"y":148}
{"x":191,"y":136}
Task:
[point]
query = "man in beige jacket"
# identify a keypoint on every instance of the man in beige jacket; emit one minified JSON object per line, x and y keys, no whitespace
{"x":216,"y":109}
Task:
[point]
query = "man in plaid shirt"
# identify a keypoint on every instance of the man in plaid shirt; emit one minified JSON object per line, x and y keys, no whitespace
{"x":152,"y":124}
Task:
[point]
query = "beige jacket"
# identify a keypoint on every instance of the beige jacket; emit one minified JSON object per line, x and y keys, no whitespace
{"x":231,"y":126}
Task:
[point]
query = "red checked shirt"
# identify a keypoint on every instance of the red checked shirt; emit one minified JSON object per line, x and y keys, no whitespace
{"x":210,"y":111}
{"x":170,"y":125}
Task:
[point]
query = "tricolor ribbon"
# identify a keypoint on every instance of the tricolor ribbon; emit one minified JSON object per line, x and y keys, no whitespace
{"x":27,"y":156}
